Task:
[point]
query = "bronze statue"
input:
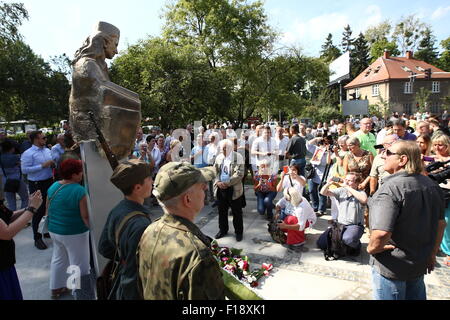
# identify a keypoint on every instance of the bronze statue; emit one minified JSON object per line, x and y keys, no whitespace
{"x":117,"y":110}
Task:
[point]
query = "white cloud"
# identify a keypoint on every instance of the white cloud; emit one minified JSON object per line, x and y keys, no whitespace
{"x":440,"y":12}
{"x":373,"y":16}
{"x":316,"y":28}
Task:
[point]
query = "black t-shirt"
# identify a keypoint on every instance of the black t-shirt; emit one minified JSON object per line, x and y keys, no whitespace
{"x":297,"y":147}
{"x":7,"y":247}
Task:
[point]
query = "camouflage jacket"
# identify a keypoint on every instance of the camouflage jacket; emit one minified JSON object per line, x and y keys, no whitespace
{"x":176,"y":263}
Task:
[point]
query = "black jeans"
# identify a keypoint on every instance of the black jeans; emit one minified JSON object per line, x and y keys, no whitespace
{"x":224,"y":196}
{"x":33,"y":186}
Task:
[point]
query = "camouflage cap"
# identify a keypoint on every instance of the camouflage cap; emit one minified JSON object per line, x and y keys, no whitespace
{"x":175,"y":178}
{"x":129,"y":173}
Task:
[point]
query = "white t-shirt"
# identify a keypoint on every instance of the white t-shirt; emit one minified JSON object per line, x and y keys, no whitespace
{"x":303,"y":212}
{"x":287,"y":184}
{"x":262,"y":145}
{"x":225,"y":173}
{"x":380,"y":136}
{"x":211,"y":153}
{"x":282,"y":145}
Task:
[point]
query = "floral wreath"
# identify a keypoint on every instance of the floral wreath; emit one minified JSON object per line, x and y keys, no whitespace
{"x":231,"y":260}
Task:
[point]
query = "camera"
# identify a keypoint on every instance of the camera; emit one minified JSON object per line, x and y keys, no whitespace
{"x":440,"y":176}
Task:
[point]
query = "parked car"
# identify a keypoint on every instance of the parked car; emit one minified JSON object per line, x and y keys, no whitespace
{"x":46,"y":130}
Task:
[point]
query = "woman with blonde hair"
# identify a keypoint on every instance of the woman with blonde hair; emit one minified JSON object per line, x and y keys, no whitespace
{"x":298,"y":215}
{"x":441,"y":147}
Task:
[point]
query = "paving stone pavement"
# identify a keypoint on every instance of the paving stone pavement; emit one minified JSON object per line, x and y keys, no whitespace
{"x":301,"y":274}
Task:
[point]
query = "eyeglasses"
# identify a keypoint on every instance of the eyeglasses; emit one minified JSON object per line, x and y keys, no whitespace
{"x":389,"y":153}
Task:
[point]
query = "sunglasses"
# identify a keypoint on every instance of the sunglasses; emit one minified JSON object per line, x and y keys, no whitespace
{"x":389,"y":153}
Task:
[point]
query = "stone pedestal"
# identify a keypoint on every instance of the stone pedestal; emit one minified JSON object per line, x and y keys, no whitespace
{"x":102,"y":195}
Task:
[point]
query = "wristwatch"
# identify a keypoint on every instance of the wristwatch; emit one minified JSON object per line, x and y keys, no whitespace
{"x":31,"y":209}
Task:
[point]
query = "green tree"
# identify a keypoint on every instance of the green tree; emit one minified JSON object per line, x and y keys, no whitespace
{"x":422,"y":98}
{"x":175,"y":85}
{"x":444,"y":60}
{"x":378,"y":39}
{"x":29,"y":88}
{"x":378,"y":48}
{"x":408,"y":33}
{"x":329,"y":51}
{"x":379,"y":32}
{"x":235,"y":39}
{"x":359,"y":56}
{"x":347,"y":40}
{"x":383,"y":107}
{"x":427,"y":50}
{"x":11,"y":17}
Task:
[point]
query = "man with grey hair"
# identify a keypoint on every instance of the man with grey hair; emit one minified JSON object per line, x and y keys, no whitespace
{"x":407,"y":225}
{"x":58,"y":149}
{"x":175,"y":261}
{"x":422,"y":128}
{"x":228,"y":188}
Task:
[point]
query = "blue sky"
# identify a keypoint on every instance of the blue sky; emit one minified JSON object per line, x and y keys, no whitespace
{"x":60,"y":26}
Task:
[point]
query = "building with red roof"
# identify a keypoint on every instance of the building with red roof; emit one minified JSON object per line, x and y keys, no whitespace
{"x":388,"y":80}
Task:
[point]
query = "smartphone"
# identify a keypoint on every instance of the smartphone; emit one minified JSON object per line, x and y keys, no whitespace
{"x":428,"y":159}
{"x":286,"y":169}
{"x":336,"y":179}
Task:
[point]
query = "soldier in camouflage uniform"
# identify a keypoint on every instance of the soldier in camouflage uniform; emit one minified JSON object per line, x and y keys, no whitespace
{"x":175,"y":260}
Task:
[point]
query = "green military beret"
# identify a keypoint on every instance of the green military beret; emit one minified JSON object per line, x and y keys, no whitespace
{"x":129,"y":173}
{"x":175,"y":178}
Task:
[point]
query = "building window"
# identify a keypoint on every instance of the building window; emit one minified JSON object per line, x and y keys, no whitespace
{"x":407,"y":108}
{"x":435,"y":107}
{"x":408,"y":88}
{"x":435,"y":87}
{"x":358,"y":93}
{"x":375,"y":90}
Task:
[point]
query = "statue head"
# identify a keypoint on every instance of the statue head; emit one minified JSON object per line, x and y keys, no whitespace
{"x":102,"y":43}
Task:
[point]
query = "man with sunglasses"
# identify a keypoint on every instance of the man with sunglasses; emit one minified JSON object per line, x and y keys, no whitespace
{"x":407,"y":225}
{"x":37,"y":163}
{"x":377,"y":173}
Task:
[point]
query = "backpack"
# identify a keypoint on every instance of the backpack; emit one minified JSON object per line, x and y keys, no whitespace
{"x":335,"y":246}
{"x":276,"y":233}
{"x":106,"y":280}
{"x":310,"y":171}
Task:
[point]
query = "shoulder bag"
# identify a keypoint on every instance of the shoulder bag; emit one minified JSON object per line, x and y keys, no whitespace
{"x":44,"y":222}
{"x":106,"y":280}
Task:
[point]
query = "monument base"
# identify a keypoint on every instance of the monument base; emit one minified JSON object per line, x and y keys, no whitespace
{"x":102,"y":195}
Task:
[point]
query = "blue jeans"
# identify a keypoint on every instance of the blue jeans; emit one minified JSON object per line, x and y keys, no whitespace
{"x":11,"y":197}
{"x":388,"y":289}
{"x":319,"y":202}
{"x":265,"y":202}
{"x":300,"y":163}
{"x":352,"y":235}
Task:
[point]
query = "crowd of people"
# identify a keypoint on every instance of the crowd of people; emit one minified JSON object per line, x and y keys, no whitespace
{"x":355,"y":167}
